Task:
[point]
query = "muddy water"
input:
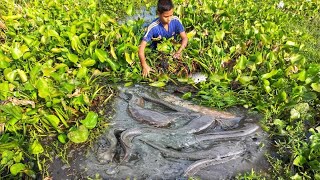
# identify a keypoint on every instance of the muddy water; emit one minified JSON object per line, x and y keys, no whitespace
{"x":194,"y":142}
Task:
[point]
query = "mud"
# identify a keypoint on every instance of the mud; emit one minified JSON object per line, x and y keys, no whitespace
{"x":220,"y":146}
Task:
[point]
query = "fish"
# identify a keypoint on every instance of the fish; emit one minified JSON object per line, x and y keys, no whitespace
{"x":200,"y":109}
{"x":108,"y":155}
{"x":248,"y":129}
{"x":200,"y":164}
{"x":143,"y":115}
{"x":127,"y":137}
{"x":164,"y":103}
{"x":197,"y":125}
{"x":215,"y":152}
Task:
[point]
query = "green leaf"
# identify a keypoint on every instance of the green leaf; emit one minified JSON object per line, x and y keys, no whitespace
{"x":316,"y":86}
{"x":36,"y":148}
{"x":54,"y":120}
{"x":241,"y":63}
{"x":219,"y":35}
{"x":91,"y":120}
{"x":79,"y":135}
{"x":82,"y":72}
{"x":4,"y":61}
{"x":128,"y":58}
{"x":187,"y":95}
{"x":4,"y":90}
{"x":72,"y":57}
{"x":129,"y":9}
{"x":299,"y":161}
{"x":6,"y":157}
{"x":62,"y":138}
{"x":265,"y":39}
{"x":88,"y":62}
{"x":270,"y":74}
{"x":22,"y":75}
{"x":10,"y":74}
{"x":43,"y":89}
{"x":102,"y":56}
{"x":16,"y":53}
{"x":158,"y":84}
{"x":245,"y":79}
{"x":294,"y":114}
{"x":17,"y":168}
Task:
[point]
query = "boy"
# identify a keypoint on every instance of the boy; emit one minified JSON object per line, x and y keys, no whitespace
{"x":166,"y":25}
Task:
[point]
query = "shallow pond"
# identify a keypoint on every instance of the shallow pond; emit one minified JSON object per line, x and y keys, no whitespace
{"x":156,"y":135}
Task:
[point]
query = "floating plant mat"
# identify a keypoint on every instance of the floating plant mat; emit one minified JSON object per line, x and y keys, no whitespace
{"x":156,"y":135}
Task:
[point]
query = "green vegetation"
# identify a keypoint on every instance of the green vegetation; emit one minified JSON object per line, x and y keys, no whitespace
{"x":57,"y":58}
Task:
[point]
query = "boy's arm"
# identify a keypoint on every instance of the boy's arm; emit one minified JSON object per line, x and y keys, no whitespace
{"x":145,"y":67}
{"x":184,"y":43}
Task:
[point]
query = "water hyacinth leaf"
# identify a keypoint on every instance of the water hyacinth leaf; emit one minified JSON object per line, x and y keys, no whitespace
{"x":265,"y":39}
{"x":79,"y":135}
{"x":16,"y":53}
{"x":17,"y":168}
{"x":114,"y":66}
{"x":291,"y":43}
{"x":294,"y":114}
{"x":102,"y":56}
{"x":72,"y":57}
{"x":158,"y":84}
{"x":6,"y":157}
{"x":27,"y":39}
{"x":270,"y":74}
{"x":284,"y":96}
{"x":187,"y":95}
{"x":219,"y":35}
{"x":4,"y":61}
{"x":316,"y":86}
{"x":105,"y":18}
{"x":88,"y":62}
{"x":191,"y":34}
{"x":82,"y":72}
{"x":34,"y":72}
{"x":43,"y":88}
{"x":241,"y":63}
{"x":13,"y":111}
{"x":53,"y":33}
{"x":91,"y":120}
{"x":53,"y":120}
{"x":245,"y":79}
{"x":258,"y":57}
{"x":112,"y":52}
{"x":47,"y":71}
{"x":296,"y":57}
{"x":36,"y":148}
{"x":23,"y":75}
{"x":127,"y":57}
{"x":62,"y":138}
{"x":10,"y":74}
{"x":299,"y":161}
{"x":129,"y":9}
{"x":4,"y":90}
{"x":313,"y":70}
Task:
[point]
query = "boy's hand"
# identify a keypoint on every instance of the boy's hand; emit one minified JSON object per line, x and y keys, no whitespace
{"x":146,"y":70}
{"x":177,"y":55}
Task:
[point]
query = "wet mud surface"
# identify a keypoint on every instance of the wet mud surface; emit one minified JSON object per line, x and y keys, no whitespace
{"x":156,"y":135}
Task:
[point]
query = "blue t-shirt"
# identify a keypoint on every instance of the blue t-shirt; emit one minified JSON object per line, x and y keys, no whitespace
{"x":155,"y":31}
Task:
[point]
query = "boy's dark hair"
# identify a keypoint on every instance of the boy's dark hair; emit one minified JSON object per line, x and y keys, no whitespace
{"x":164,"y":5}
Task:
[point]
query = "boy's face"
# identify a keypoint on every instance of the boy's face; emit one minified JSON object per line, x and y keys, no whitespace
{"x":166,"y":16}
